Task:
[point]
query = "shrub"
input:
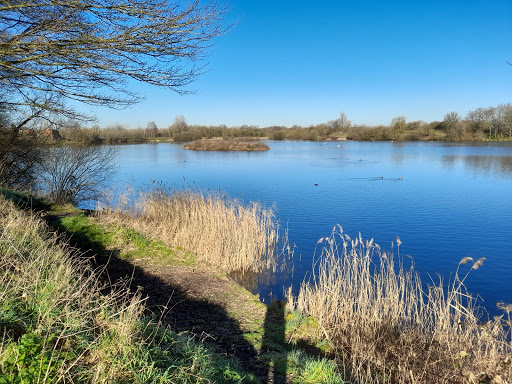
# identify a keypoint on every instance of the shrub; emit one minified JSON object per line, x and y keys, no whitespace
{"x":240,"y":144}
{"x":77,"y":174}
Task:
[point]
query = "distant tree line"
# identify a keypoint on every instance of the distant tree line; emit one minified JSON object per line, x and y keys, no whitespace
{"x":492,"y":123}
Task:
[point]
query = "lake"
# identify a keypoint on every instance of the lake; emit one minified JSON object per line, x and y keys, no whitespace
{"x":445,"y":201}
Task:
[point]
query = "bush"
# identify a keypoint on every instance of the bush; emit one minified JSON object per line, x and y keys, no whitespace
{"x":239,"y":144}
{"x":19,"y":157}
{"x":77,"y":174}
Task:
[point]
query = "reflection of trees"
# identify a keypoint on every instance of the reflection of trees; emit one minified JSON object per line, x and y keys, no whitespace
{"x":180,"y":156}
{"x":398,"y":158}
{"x":501,"y":164}
{"x":397,"y":155}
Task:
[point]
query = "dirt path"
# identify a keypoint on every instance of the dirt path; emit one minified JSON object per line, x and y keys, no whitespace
{"x":194,"y":298}
{"x":211,"y":306}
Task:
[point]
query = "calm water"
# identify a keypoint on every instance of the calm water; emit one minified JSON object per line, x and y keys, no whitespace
{"x":444,"y":201}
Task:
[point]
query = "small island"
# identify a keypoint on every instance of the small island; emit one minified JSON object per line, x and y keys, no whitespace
{"x":234,"y":144}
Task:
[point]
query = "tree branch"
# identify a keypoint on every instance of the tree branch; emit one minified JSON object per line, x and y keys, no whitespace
{"x":87,"y":50}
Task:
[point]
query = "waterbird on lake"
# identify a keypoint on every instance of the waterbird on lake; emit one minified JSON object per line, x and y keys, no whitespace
{"x":316,"y":185}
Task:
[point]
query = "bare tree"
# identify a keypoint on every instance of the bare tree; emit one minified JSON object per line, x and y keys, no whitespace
{"x":89,"y":50}
{"x":398,"y":125}
{"x":451,"y":125}
{"x":507,"y":119}
{"x":179,"y":125}
{"x":151,"y":129}
{"x":451,"y":118}
{"x":19,"y":154}
{"x":345,"y":123}
{"x":342,"y":123}
{"x":77,"y":174}
{"x":18,"y":158}
{"x":484,"y":119}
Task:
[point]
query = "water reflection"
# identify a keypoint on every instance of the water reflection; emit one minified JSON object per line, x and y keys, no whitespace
{"x":180,"y":156}
{"x":485,"y":164}
{"x":267,"y":284}
{"x":250,"y":280}
{"x":398,"y":159}
{"x":153,"y":152}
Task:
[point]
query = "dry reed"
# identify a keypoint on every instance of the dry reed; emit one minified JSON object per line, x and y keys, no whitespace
{"x":388,"y":329}
{"x":220,"y":231}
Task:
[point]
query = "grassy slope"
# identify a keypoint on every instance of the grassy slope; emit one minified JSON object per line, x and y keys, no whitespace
{"x":111,"y":337}
{"x":58,"y":327}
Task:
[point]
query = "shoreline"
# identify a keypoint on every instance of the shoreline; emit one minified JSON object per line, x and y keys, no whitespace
{"x":191,"y":297}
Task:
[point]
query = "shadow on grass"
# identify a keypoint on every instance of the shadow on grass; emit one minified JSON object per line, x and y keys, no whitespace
{"x":25,"y":201}
{"x":207,"y":321}
{"x":167,"y":300}
{"x":274,"y":344}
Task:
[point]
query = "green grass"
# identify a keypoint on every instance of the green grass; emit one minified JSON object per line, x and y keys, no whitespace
{"x":85,"y":231}
{"x":57,"y":327}
{"x":131,"y":244}
{"x":25,"y":200}
{"x":301,"y":332}
{"x":304,"y":369}
{"x":300,"y":366}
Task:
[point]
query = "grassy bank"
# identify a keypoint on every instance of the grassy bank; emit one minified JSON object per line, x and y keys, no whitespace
{"x":238,"y":144}
{"x":387,"y":329}
{"x":58,"y":325}
{"x":63,"y":321}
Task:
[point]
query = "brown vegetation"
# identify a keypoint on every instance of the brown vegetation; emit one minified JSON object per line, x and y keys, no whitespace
{"x":220,"y":231}
{"x":238,"y":144}
{"x":388,"y":329}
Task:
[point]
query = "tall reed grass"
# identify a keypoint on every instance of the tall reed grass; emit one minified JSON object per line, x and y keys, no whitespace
{"x":221,"y":231}
{"x":388,"y":328}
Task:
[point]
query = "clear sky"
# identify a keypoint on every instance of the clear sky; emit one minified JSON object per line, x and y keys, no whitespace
{"x":300,"y":62}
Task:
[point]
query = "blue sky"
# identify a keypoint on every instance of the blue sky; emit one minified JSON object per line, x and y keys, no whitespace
{"x":303,"y":62}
